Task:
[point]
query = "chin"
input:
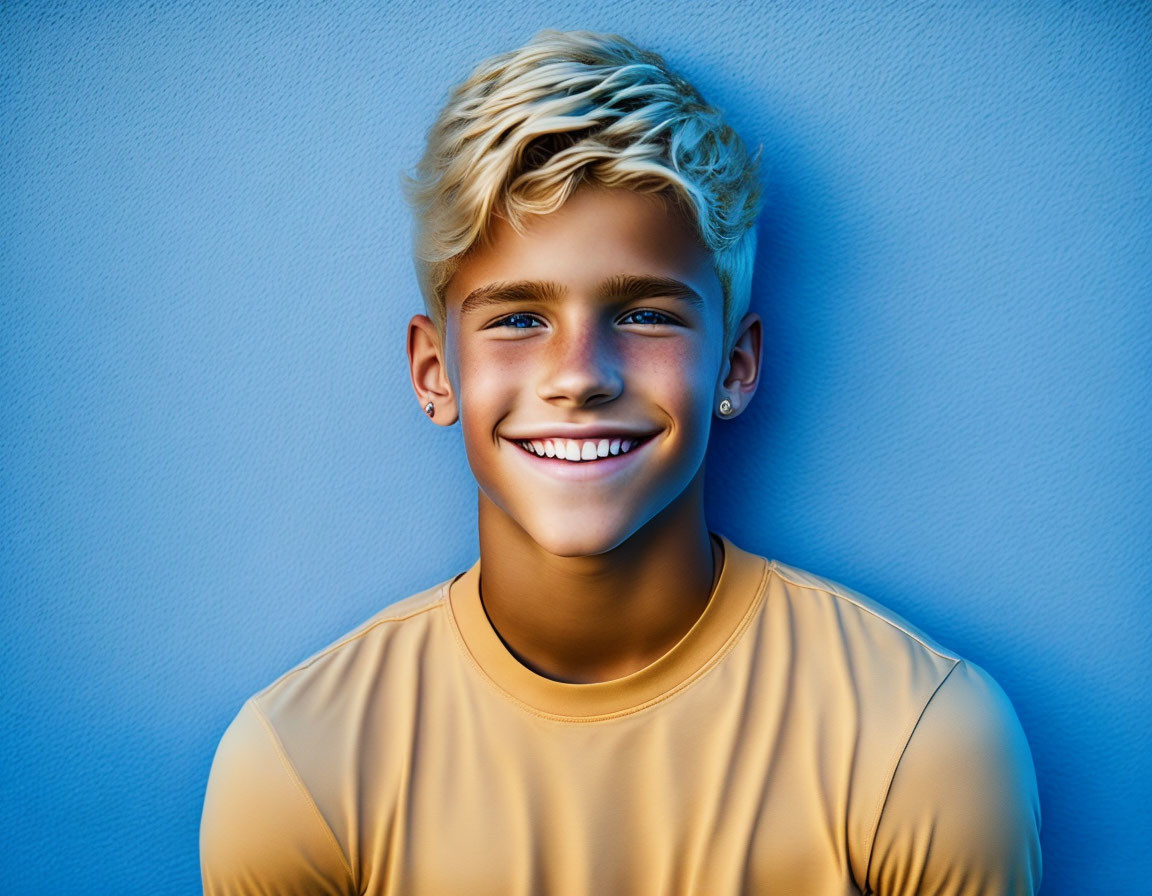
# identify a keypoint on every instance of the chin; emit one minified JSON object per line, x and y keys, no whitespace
{"x":587,"y":545}
{"x":571,"y":538}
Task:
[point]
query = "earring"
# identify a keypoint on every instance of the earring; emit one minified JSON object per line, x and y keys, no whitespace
{"x":429,"y":409}
{"x":725,"y":407}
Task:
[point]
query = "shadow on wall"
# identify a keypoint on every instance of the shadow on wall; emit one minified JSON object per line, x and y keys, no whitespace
{"x":803,"y":260}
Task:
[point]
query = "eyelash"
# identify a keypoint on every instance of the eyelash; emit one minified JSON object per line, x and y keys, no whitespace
{"x":504,"y":321}
{"x":667,"y":320}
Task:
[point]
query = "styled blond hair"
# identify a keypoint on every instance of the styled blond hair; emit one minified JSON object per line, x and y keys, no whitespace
{"x":529,"y":126}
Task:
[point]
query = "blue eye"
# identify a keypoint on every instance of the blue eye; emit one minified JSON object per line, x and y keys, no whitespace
{"x":649,"y":317}
{"x":519,"y":321}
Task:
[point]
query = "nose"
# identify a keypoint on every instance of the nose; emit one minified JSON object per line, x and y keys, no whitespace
{"x":581,"y":369}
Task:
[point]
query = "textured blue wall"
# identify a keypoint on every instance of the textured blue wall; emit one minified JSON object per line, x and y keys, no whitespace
{"x":211,"y":462}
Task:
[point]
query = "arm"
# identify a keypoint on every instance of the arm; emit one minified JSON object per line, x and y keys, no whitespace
{"x":261,"y":833}
{"x":962,"y":816}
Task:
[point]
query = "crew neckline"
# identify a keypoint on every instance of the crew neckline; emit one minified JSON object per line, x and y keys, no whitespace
{"x":733,"y":601}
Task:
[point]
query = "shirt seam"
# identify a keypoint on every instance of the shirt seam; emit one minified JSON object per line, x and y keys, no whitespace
{"x":354,"y":636}
{"x":705,"y":667}
{"x":290,"y":767}
{"x":898,"y":757}
{"x":871,"y":612}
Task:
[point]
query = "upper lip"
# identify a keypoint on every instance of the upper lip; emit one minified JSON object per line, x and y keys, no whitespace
{"x":579,"y":432}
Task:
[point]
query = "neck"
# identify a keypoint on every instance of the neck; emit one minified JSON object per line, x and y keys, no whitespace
{"x":600,"y":617}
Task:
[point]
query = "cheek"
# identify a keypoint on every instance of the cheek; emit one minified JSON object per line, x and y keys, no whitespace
{"x":681,"y":376}
{"x":476,"y":354}
{"x":486,"y":391}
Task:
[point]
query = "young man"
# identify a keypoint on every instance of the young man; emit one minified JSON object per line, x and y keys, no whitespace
{"x":613,"y":699}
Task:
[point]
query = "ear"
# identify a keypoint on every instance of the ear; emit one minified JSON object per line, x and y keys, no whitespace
{"x":429,"y":373}
{"x":741,"y":367}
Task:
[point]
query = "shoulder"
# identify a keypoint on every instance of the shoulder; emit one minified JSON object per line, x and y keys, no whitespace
{"x":276,"y":808}
{"x":259,"y":826}
{"x":969,"y":725}
{"x":948,"y":796}
{"x":960,"y":701}
{"x":962,"y":813}
{"x":387,"y":623}
{"x":323,"y":684}
{"x":888,"y":660}
{"x":366,"y":683}
{"x":943,"y":784}
{"x":822,"y":594}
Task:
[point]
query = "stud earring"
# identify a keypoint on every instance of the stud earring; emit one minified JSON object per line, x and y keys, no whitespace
{"x":725,"y":407}
{"x":429,"y":409}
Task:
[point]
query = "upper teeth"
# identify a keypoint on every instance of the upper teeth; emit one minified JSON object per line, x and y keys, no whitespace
{"x":578,"y":449}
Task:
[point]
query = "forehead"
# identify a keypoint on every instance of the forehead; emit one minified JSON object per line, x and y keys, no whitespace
{"x":597,"y":237}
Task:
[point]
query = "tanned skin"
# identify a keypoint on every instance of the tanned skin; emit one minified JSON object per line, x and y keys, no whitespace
{"x":603,"y":319}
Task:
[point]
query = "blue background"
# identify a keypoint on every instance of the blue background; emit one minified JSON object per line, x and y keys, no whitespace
{"x":212,"y":463}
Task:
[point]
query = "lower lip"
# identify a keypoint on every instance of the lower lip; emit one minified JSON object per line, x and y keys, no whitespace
{"x":585,"y":470}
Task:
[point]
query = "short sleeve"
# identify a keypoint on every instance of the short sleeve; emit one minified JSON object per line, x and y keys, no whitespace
{"x":260,"y":832}
{"x":962,"y":816}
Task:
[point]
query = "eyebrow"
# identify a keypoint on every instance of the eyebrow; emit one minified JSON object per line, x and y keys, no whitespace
{"x":501,"y":293}
{"x":630,"y":287}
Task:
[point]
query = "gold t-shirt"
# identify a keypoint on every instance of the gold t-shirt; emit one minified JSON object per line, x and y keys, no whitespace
{"x":799,"y":739}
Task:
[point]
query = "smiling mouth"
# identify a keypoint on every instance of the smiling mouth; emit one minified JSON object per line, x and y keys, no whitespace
{"x":580,"y":451}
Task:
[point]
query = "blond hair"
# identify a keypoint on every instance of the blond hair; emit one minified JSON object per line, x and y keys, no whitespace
{"x":529,"y":126}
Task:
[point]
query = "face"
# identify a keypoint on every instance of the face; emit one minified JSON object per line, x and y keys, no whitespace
{"x":586,"y":357}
